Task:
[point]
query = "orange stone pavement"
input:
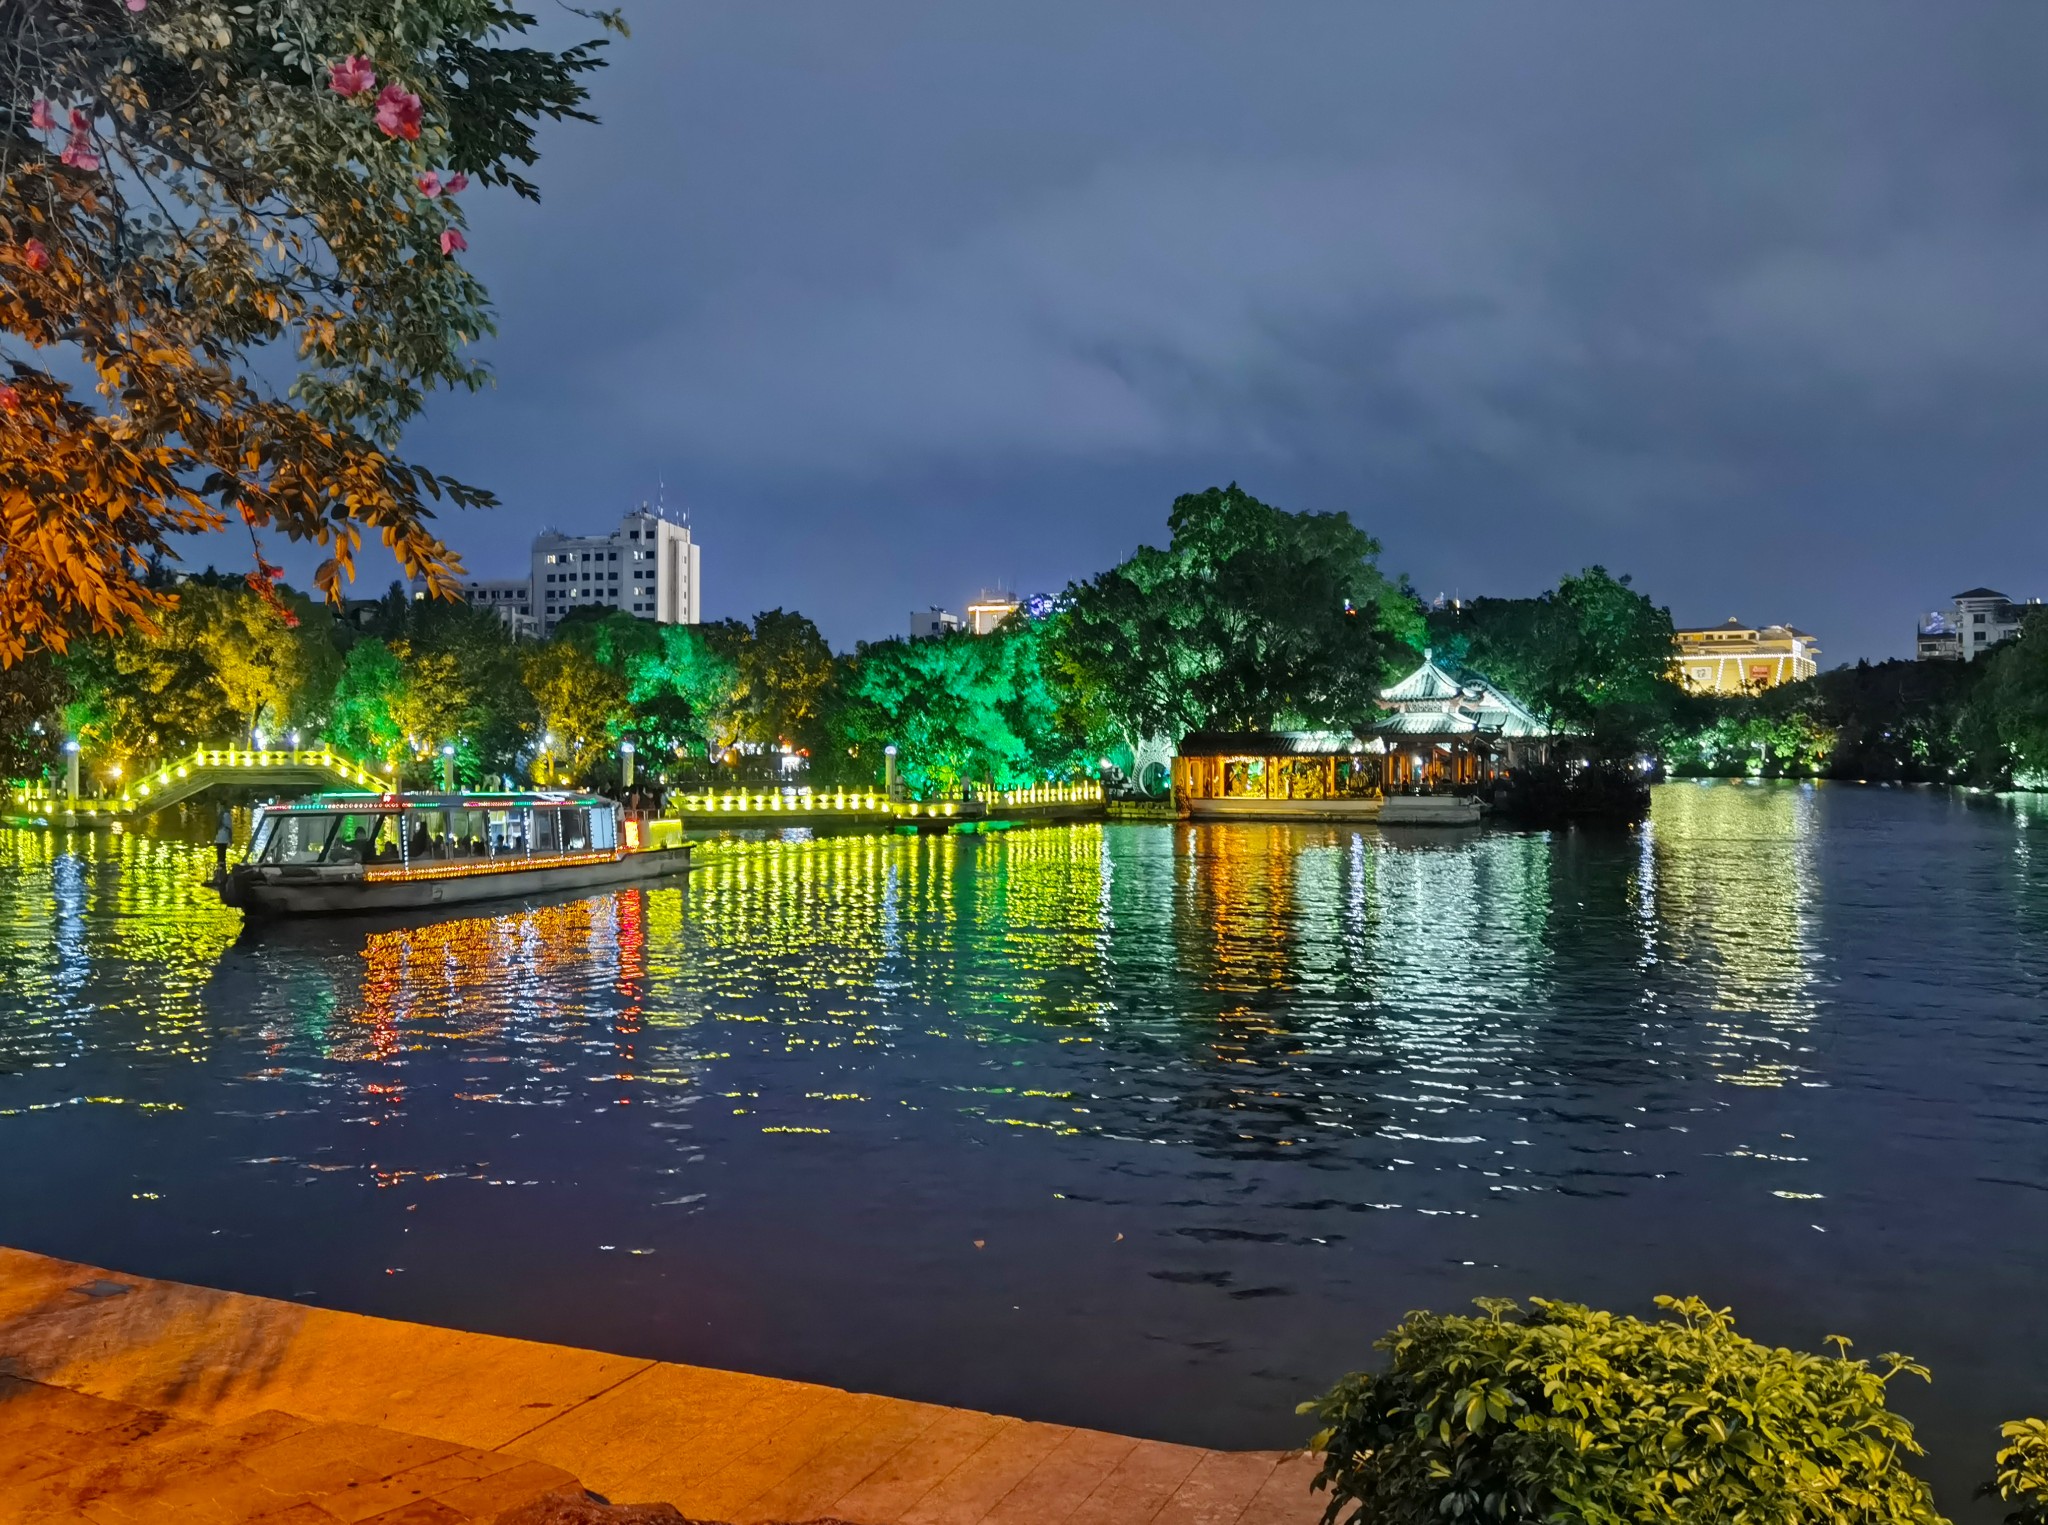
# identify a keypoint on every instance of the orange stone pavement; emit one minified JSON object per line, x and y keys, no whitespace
{"x":125,"y":1400}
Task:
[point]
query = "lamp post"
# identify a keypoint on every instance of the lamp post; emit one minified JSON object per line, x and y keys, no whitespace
{"x":889,"y":771}
{"x":448,"y":767}
{"x":626,"y":764}
{"x":71,"y":771}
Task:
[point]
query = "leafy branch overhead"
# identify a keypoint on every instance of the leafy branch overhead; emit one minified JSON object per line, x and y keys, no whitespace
{"x":198,"y":196}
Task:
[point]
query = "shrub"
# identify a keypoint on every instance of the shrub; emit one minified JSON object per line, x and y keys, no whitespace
{"x":1561,"y":1413}
{"x":2023,"y":1471}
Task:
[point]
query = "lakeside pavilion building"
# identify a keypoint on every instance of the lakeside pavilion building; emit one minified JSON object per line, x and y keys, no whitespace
{"x":1449,"y":731}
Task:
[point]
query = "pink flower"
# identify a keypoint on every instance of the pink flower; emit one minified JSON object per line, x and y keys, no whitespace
{"x":398,"y":112}
{"x":138,"y":5}
{"x":42,"y":117}
{"x":36,"y":256}
{"x":78,"y":153}
{"x":429,"y":184}
{"x":452,"y":241}
{"x":455,"y":184}
{"x":352,"y":76}
{"x":10,"y":400}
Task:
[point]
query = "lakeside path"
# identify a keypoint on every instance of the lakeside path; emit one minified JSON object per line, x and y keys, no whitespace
{"x":124,"y":1399}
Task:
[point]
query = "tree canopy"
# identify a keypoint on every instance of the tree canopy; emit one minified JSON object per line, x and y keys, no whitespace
{"x":1592,"y":656}
{"x":1252,"y":617}
{"x":197,"y":195}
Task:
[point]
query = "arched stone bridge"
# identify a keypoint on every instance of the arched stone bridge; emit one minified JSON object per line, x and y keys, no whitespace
{"x":174,"y":782}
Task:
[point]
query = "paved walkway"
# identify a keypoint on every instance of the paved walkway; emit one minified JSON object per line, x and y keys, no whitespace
{"x":115,"y":1388}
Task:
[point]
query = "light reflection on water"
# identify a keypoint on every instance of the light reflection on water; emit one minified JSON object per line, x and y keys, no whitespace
{"x":1148,"y":1127}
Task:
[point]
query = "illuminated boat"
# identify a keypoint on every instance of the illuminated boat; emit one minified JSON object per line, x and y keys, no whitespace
{"x":339,"y":854}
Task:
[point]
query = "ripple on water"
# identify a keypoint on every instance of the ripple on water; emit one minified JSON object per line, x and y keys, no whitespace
{"x":1151,"y":1127}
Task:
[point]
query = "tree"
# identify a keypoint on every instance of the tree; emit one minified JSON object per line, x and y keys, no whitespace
{"x":682,"y":694}
{"x":215,"y":666}
{"x":32,"y":697}
{"x":463,"y":687}
{"x":362,"y":721}
{"x":784,"y":668}
{"x":273,"y":673}
{"x":2012,"y":702}
{"x":960,"y":709}
{"x":1252,"y":617}
{"x":581,"y":703}
{"x":185,"y":185}
{"x":1592,"y":656}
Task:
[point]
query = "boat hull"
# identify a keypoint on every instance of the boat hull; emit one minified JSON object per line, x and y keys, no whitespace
{"x":1239,"y":808}
{"x":270,"y":893}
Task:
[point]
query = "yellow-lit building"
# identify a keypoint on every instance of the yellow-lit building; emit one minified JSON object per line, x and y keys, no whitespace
{"x":1744,"y":659}
{"x":990,"y":610}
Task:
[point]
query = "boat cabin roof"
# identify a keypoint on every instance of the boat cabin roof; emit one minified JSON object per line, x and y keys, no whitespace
{"x":538,"y":799}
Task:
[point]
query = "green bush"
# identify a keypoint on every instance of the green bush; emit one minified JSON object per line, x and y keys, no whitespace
{"x":2023,"y":1471}
{"x":1560,"y":1413}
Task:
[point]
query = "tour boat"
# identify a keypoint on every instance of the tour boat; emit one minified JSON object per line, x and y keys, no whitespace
{"x":335,"y":854}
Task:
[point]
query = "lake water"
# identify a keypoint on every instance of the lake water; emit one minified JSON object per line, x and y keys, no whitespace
{"x":1147,"y":1127}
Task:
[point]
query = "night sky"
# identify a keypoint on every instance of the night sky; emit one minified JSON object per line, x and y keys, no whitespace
{"x":1747,"y":300}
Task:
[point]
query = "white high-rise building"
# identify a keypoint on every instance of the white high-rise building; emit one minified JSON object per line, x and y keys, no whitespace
{"x":649,"y":566}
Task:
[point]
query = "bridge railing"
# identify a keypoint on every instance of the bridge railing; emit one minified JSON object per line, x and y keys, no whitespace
{"x":723,"y":803}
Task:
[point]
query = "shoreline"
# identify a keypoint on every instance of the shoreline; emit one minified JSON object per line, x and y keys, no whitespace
{"x":154,"y":1373}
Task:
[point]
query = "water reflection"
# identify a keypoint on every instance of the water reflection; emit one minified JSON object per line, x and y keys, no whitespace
{"x":1134,"y":1126}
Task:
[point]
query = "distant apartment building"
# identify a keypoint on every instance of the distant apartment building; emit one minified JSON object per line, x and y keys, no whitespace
{"x":990,"y":610}
{"x":1742,"y":659}
{"x":510,"y":598}
{"x":927,"y":623}
{"x":1979,"y":620}
{"x":648,"y":566}
{"x":1936,"y":640}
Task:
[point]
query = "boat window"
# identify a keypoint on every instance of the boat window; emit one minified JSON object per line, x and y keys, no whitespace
{"x":604,"y":829}
{"x":358,"y":839}
{"x":508,"y":833}
{"x":300,"y":837}
{"x":426,"y":834}
{"x":261,"y":839}
{"x":468,"y":834}
{"x":575,"y":831}
{"x":546,"y":838}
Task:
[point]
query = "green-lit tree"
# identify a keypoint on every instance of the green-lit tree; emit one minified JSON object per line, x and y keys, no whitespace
{"x":681,"y":694}
{"x":363,"y":718}
{"x":1252,"y":617}
{"x":2011,"y":704}
{"x":1593,"y":656}
{"x":962,"y":711}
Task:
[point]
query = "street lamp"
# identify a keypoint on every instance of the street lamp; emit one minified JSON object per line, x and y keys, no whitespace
{"x":448,"y":767}
{"x":626,"y":764}
{"x":889,"y":771}
{"x":71,"y":769}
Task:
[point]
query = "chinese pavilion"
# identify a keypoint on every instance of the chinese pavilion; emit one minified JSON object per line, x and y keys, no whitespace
{"x":1449,"y":730}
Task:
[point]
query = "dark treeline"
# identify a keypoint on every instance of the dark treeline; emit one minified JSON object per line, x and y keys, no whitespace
{"x":1249,"y":617}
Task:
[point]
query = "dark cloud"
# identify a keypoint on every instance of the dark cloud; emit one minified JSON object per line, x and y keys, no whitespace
{"x":1746,"y":299}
